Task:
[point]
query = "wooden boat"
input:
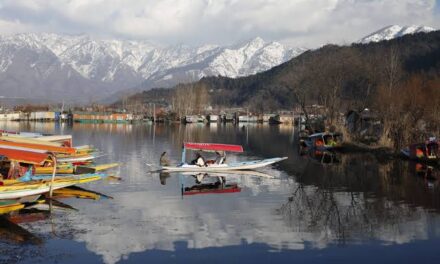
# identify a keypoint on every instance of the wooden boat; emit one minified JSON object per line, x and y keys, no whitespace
{"x":216,"y":167}
{"x":323,"y":141}
{"x":95,"y":168}
{"x":36,"y":147}
{"x":78,"y":158}
{"x":68,"y":176}
{"x":428,"y":151}
{"x":21,"y":189}
{"x":61,"y":140}
{"x":230,"y":173}
{"x":68,"y":168}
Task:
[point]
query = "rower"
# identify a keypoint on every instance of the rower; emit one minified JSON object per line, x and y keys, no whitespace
{"x":199,"y":160}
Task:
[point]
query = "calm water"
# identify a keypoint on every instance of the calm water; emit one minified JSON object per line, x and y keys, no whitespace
{"x":319,"y":209}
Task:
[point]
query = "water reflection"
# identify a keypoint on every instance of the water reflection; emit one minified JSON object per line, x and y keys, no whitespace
{"x":308,"y":202}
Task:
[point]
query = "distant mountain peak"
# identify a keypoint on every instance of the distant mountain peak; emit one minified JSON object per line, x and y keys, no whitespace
{"x":122,"y":64}
{"x":394,"y":31}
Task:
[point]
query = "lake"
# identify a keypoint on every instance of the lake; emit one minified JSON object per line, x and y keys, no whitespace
{"x":319,"y":207}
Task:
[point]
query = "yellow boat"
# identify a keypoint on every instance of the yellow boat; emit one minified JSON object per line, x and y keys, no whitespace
{"x":13,"y":189}
{"x":95,"y":168}
{"x":4,"y":209}
{"x":61,"y":169}
{"x":70,"y":169}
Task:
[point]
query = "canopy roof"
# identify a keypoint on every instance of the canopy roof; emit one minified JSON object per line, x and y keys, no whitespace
{"x":213,"y":147}
{"x":24,"y":156}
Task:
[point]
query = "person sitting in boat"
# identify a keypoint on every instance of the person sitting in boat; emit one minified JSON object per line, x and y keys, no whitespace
{"x":199,"y":160}
{"x":221,"y":157}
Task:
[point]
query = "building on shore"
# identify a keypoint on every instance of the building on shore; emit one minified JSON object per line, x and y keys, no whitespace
{"x":96,"y":117}
{"x":12,"y":116}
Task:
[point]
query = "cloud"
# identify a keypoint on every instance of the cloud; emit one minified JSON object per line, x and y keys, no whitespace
{"x":302,"y":22}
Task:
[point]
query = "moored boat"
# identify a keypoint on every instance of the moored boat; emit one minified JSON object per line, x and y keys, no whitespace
{"x":323,"y":141}
{"x":428,"y":151}
{"x":218,"y":165}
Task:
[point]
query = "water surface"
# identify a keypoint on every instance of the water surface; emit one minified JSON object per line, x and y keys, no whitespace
{"x":319,"y":208}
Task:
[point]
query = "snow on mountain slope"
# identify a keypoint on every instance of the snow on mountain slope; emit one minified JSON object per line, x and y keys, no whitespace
{"x":122,"y":64}
{"x":394,"y":31}
{"x":93,"y":68}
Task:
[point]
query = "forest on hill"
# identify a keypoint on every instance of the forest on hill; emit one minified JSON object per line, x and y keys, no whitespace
{"x":398,"y":78}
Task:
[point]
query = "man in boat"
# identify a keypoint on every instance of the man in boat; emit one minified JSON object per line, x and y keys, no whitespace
{"x":221,"y":157}
{"x":199,"y":160}
{"x":164,"y":161}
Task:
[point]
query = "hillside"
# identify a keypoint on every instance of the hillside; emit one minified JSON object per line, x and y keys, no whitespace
{"x":357,"y":70}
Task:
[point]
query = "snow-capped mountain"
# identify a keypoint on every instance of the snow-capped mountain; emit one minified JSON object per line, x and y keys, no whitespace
{"x":394,"y":31}
{"x":84,"y":69}
{"x":103,"y":67}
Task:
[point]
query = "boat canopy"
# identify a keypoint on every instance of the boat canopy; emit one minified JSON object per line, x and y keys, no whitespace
{"x":213,"y":147}
{"x":24,"y":156}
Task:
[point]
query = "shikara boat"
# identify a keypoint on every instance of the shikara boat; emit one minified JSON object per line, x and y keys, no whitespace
{"x":215,"y":166}
{"x":22,"y":189}
{"x":428,"y":151}
{"x":68,"y":168}
{"x":323,"y":141}
{"x":26,"y":186}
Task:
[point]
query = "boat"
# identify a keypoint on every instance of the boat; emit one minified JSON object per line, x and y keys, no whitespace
{"x":323,"y":141}
{"x":68,"y":168}
{"x":17,"y":189}
{"x":428,"y":151}
{"x":194,"y":119}
{"x":215,"y":166}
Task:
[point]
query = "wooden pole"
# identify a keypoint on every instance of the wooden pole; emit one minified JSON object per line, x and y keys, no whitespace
{"x":53,"y":175}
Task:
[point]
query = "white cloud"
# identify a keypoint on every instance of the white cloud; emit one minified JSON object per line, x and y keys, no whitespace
{"x":303,"y":22}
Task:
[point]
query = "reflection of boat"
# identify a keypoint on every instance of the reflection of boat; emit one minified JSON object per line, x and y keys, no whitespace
{"x":428,"y":151}
{"x":10,"y":231}
{"x":219,"y":166}
{"x":218,"y":187}
{"x":78,"y":192}
{"x":424,"y":171}
{"x":323,"y":156}
{"x":211,"y":188}
{"x":7,"y":206}
{"x":323,"y":141}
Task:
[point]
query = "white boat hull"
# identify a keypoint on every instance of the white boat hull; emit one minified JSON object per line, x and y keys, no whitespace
{"x":246,"y":165}
{"x":15,"y":194}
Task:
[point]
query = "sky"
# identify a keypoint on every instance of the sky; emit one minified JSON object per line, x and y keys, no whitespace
{"x":305,"y":23}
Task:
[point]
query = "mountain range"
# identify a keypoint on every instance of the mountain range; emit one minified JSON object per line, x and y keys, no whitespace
{"x":79,"y":68}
